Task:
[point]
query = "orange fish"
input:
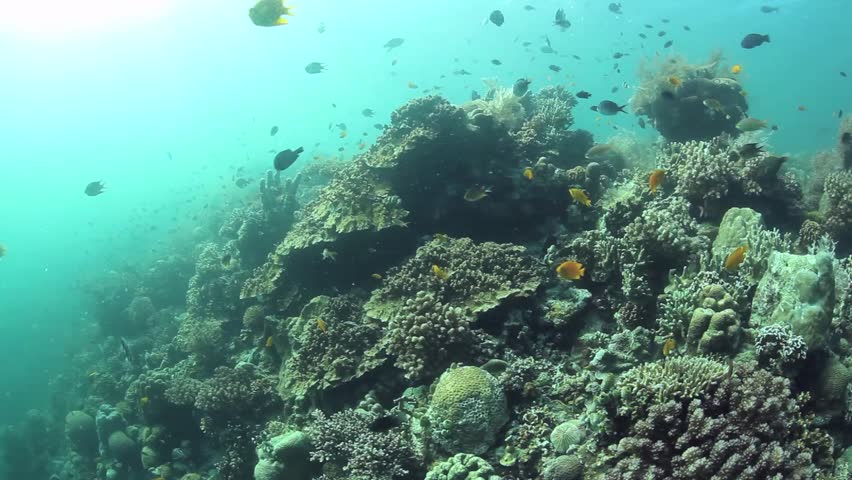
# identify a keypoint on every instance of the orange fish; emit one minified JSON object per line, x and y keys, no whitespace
{"x":580,"y":196}
{"x":736,"y":258}
{"x":528,"y":173}
{"x":669,"y":346}
{"x":674,"y":81}
{"x":656,"y":179}
{"x":268,"y":342}
{"x":322,"y":326}
{"x":571,"y":270}
{"x":736,"y":69}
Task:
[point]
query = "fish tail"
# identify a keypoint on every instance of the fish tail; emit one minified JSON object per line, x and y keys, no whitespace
{"x":766,"y":37}
{"x":621,"y":108}
{"x":300,"y":150}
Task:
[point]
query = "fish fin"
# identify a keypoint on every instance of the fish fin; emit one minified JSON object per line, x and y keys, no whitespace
{"x":281,"y":21}
{"x":766,"y":37}
{"x":621,"y":108}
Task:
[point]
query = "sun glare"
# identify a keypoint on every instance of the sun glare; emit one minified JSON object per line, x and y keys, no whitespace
{"x":61,"y":17}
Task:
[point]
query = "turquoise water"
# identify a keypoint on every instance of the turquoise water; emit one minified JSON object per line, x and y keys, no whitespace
{"x":165,"y":102}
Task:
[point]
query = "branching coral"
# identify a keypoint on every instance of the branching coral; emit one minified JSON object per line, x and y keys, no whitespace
{"x":836,"y":206}
{"x":234,"y":392}
{"x":545,"y":130}
{"x":430,"y":300}
{"x":743,"y":424}
{"x":349,"y":449}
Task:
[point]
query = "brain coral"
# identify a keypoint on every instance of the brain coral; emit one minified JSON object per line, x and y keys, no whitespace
{"x":467,"y":410}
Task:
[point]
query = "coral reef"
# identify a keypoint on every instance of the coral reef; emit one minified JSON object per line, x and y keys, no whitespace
{"x":462,"y":466}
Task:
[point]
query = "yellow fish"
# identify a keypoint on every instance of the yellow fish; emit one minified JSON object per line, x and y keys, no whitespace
{"x":477,"y":193}
{"x":528,"y":173}
{"x":736,"y":69}
{"x":580,"y":196}
{"x":322,"y":326}
{"x":570,"y":270}
{"x":269,"y":342}
{"x":440,"y":273}
{"x":736,"y":258}
{"x":669,"y":346}
{"x":269,"y":13}
{"x":144,"y":401}
{"x":655,"y":179}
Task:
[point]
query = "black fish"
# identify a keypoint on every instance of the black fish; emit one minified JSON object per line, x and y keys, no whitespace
{"x":768,"y":9}
{"x":242,"y":182}
{"x":378,"y":126}
{"x":285,"y":158}
{"x":618,"y":55}
{"x":226,"y":260}
{"x":840,"y":114}
{"x":648,"y":25}
{"x":273,"y":131}
{"x":521,"y":86}
{"x":127,"y":353}
{"x":686,"y":27}
{"x":750,"y":150}
{"x":314,"y":67}
{"x":529,"y":8}
{"x":393,"y":43}
{"x":613,"y":90}
{"x":843,"y":74}
{"x":664,"y":20}
{"x":385,"y":422}
{"x":642,"y":35}
{"x":754,"y":40}
{"x":555,"y":68}
{"x":583,"y":94}
{"x":367,"y":112}
{"x":668,"y":44}
{"x":661,"y":33}
{"x":608,"y":107}
{"x":560,"y":20}
{"x":615,"y":8}
{"x":496,"y":62}
{"x":461,"y":72}
{"x":593,"y":108}
{"x":497,"y":18}
{"x":95,"y":188}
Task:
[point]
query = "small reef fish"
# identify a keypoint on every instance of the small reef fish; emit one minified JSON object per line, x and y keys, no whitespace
{"x":528,"y":173}
{"x":736,"y":69}
{"x":376,"y":276}
{"x":273,"y":130}
{"x":668,"y":44}
{"x":674,"y":81}
{"x":580,"y":196}
{"x":329,"y":255}
{"x":2,"y":251}
{"x":656,"y":179}
{"x":268,"y":342}
{"x":750,"y":124}
{"x":615,"y":8}
{"x":555,"y":68}
{"x":583,"y":94}
{"x":608,"y":107}
{"x":560,"y":20}
{"x":497,"y":18}
{"x":128,"y":354}
{"x":496,"y":62}
{"x":322,"y":325}
{"x":669,"y":346}
{"x":477,"y":193}
{"x":343,"y":134}
{"x":269,"y":13}
{"x":768,"y":9}
{"x":521,"y":86}
{"x":285,"y":158}
{"x":368,"y":112}
{"x":570,"y":270}
{"x":736,"y":258}
{"x":750,"y":150}
{"x":802,"y":108}
{"x":94,"y":188}
{"x":394,"y":43}
{"x":599,"y":151}
{"x":753,"y":40}
{"x":412,"y":85}
{"x":440,"y":273}
{"x":315,"y":67}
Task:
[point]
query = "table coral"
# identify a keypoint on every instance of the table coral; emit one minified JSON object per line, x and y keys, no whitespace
{"x":427,"y":316}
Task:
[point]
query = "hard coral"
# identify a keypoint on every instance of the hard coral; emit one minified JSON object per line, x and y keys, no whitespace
{"x":462,"y":466}
{"x":467,"y":410}
{"x":836,"y":206}
{"x":428,"y":316}
{"x":745,"y":424}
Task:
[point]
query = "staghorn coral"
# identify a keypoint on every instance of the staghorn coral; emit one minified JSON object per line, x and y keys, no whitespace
{"x":746,"y":424}
{"x":349,"y":449}
{"x":427,"y":317}
{"x":322,"y":359}
{"x":778,"y":348}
